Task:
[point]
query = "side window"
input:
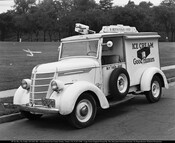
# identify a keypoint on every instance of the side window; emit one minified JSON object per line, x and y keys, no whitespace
{"x":113,"y":54}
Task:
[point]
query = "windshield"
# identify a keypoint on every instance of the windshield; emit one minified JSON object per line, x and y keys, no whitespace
{"x":80,"y":48}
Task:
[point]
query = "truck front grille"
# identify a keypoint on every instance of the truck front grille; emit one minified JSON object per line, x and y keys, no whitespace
{"x":39,"y":86}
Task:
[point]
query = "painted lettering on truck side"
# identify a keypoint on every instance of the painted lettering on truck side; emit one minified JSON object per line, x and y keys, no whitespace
{"x":143,"y":51}
{"x":142,"y":45}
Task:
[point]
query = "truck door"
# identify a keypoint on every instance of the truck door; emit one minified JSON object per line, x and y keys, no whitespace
{"x":112,"y":57}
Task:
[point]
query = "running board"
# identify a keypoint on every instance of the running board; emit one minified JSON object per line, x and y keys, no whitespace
{"x":116,"y":102}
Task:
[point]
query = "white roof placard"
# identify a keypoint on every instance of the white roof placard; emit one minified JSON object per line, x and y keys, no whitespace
{"x":118,"y":29}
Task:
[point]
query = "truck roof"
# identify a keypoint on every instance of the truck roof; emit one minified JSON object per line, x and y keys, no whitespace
{"x":140,"y":35}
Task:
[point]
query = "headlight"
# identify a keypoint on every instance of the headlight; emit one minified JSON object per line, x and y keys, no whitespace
{"x":26,"y":84}
{"x":57,"y":85}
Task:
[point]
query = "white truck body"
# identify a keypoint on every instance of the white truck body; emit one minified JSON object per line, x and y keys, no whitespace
{"x":77,"y":72}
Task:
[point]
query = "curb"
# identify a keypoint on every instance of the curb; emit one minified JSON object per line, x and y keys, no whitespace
{"x":10,"y":117}
{"x":7,"y":93}
{"x":170,"y":80}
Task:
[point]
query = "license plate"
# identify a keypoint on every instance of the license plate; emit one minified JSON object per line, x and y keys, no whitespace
{"x":48,"y":102}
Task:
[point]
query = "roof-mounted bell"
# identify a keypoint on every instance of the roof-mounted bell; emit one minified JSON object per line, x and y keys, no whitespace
{"x":83,"y":29}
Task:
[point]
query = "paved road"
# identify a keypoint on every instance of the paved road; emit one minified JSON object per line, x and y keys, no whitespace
{"x":135,"y":120}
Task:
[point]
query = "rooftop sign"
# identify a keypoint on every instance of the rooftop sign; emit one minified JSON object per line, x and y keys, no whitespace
{"x":118,"y":29}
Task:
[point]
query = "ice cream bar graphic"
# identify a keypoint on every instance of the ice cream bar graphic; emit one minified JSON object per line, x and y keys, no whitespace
{"x":143,"y":53}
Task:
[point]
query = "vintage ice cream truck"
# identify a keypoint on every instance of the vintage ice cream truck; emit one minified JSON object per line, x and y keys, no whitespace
{"x":96,"y":70}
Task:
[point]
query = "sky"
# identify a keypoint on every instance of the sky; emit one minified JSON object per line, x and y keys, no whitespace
{"x":7,"y":4}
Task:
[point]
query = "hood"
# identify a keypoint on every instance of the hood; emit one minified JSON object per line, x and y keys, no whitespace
{"x":66,"y":64}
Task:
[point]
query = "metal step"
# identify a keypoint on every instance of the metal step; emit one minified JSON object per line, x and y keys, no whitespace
{"x":116,"y":102}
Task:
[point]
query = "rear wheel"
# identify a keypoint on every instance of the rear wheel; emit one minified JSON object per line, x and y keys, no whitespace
{"x":30,"y":116}
{"x":84,"y":111}
{"x":155,"y":92}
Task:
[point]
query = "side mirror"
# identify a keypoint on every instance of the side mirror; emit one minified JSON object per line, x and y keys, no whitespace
{"x":109,"y":44}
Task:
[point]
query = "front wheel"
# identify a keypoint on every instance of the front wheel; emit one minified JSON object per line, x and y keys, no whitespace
{"x":84,"y":111}
{"x":154,"y":94}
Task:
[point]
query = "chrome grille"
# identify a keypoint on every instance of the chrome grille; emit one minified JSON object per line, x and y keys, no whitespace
{"x":39,"y":86}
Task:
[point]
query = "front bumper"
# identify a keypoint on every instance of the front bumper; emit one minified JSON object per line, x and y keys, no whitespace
{"x":39,"y":109}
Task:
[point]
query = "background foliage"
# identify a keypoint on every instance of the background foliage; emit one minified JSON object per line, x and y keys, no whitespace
{"x":51,"y":20}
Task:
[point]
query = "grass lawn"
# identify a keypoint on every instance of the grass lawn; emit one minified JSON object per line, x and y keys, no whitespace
{"x":167,"y":57}
{"x":7,"y":107}
{"x":167,"y":53}
{"x":15,"y":65}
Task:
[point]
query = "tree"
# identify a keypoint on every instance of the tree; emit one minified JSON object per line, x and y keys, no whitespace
{"x":47,"y":17}
{"x":172,"y":21}
{"x":57,"y":18}
{"x":145,"y":5}
{"x":130,"y":4}
{"x":6,"y":24}
{"x":168,"y":3}
{"x":146,"y":19}
{"x":34,"y":22}
{"x":165,"y":14}
{"x":21,"y":19}
{"x":106,"y":4}
{"x":84,"y":5}
{"x":23,"y":6}
{"x":162,"y":16}
{"x":19,"y":25}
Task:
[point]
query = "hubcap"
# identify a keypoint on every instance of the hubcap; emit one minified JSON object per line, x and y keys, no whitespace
{"x":122,"y":83}
{"x":84,"y":110}
{"x":155,"y":89}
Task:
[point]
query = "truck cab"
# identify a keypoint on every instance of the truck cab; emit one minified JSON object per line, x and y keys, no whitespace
{"x":92,"y":71}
